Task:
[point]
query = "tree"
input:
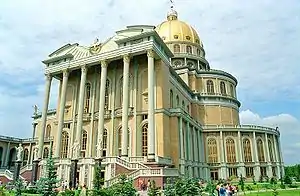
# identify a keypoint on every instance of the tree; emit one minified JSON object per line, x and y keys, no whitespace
{"x":242,"y":183}
{"x":169,"y":188}
{"x":183,"y":187}
{"x":47,"y":184}
{"x":98,"y":180}
{"x":18,"y":187}
{"x":153,"y":189}
{"x":123,"y":188}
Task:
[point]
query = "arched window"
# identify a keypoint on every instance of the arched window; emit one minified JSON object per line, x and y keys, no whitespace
{"x":171,"y":99}
{"x":107,"y":90}
{"x":223,"y":88}
{"x":64,"y":145}
{"x":83,"y":143}
{"x":25,"y":156}
{"x":188,"y":108}
{"x":260,"y":150}
{"x":189,"y":49}
{"x":230,"y":150}
{"x":212,"y":150}
{"x":87,"y":97}
{"x":104,"y":143}
{"x":120,"y":141}
{"x":247,"y":150}
{"x":270,"y":144}
{"x":210,"y":87}
{"x":145,"y":140}
{"x":46,"y":153}
{"x":231,"y":90}
{"x":177,"y":101}
{"x":198,"y":52}
{"x":48,"y":131}
{"x":183,"y":104}
{"x":176,"y":48}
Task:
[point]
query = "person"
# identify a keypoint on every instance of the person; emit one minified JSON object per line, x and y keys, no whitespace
{"x":83,"y":191}
{"x":222,"y":191}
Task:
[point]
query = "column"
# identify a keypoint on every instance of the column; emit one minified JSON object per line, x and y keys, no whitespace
{"x":269,"y":166}
{"x":7,"y":155}
{"x":223,"y":170}
{"x":190,"y":149}
{"x":61,"y":112}
{"x":256,"y":165}
{"x":125,"y":106}
{"x":151,"y":107}
{"x":181,"y":138}
{"x":196,"y":150}
{"x":101,"y":109}
{"x":241,"y":169}
{"x":77,"y":143}
{"x":44,"y":114}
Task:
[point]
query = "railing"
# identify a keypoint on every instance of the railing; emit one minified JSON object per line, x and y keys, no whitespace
{"x":251,"y":127}
{"x":25,"y":168}
{"x":146,"y":172}
{"x":137,"y":159}
{"x":126,"y":164}
{"x":118,"y":111}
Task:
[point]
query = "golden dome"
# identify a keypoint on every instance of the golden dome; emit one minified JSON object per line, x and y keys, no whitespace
{"x":176,"y":30}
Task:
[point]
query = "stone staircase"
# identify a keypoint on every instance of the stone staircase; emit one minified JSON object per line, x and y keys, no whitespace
{"x":9,"y":175}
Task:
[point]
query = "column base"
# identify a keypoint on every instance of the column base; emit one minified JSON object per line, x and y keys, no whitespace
{"x":151,"y":158}
{"x":17,"y":170}
{"x":73,"y":173}
{"x":35,"y":167}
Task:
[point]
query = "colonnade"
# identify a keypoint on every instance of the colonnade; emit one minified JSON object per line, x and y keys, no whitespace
{"x":125,"y":106}
{"x":191,"y":150}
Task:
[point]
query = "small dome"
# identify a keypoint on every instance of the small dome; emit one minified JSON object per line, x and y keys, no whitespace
{"x":176,"y":30}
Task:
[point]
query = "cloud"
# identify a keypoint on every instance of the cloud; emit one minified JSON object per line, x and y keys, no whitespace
{"x":289,"y":127}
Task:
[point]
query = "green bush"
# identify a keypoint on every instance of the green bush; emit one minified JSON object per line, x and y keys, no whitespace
{"x":293,"y":186}
{"x":249,"y":188}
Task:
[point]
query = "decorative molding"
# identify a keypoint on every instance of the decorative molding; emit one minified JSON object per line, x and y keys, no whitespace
{"x":66,"y":72}
{"x":150,"y":53}
{"x":126,"y":58}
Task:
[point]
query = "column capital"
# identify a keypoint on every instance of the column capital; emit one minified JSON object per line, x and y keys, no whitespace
{"x":150,"y":53}
{"x":126,"y":58}
{"x":84,"y":69}
{"x":104,"y":63}
{"x":48,"y":76}
{"x":66,"y":73}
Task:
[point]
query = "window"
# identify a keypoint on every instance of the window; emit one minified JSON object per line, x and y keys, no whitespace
{"x":64,"y":145}
{"x":274,"y":171}
{"x":175,"y":36}
{"x":83,"y":142}
{"x":260,"y":150}
{"x":177,"y":101}
{"x":183,"y":105}
{"x":247,"y":150}
{"x":212,"y":150}
{"x":45,"y":153}
{"x":230,"y":150}
{"x":120,"y":141}
{"x":198,"y":52}
{"x":271,"y":150}
{"x":189,"y":49}
{"x":222,"y":88}
{"x":176,"y":48}
{"x":249,"y":172}
{"x":210,"y":87}
{"x":87,"y":97}
{"x":104,"y":143}
{"x":232,"y":172}
{"x":48,"y":131}
{"x":263,"y":171}
{"x":171,"y":99}
{"x":188,"y":37}
{"x":231,"y":90}
{"x":106,"y":100}
{"x":214,"y":174}
{"x":188,"y":108}
{"x":145,"y":140}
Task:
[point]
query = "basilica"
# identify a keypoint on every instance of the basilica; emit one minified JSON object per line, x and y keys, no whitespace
{"x":145,"y":103}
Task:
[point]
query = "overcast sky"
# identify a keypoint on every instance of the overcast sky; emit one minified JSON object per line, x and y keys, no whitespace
{"x":257,"y":41}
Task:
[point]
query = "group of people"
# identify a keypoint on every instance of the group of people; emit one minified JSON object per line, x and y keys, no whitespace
{"x":226,"y":190}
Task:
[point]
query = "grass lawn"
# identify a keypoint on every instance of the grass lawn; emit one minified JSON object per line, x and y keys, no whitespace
{"x":281,"y":193}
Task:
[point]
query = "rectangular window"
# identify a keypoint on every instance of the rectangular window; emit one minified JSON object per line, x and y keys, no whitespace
{"x":249,"y":172}
{"x":232,"y":172}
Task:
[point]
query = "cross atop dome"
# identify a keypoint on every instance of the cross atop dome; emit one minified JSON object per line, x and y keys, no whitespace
{"x":172,"y":14}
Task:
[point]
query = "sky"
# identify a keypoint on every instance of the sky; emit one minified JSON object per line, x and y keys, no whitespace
{"x":257,"y":41}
